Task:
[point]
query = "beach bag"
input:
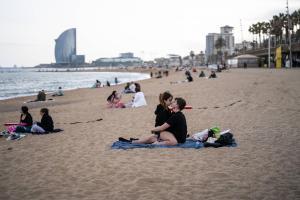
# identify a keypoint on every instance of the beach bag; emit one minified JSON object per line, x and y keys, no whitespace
{"x":201,"y":136}
{"x":225,"y":139}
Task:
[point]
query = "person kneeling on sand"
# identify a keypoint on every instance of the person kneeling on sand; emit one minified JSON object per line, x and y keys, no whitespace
{"x":114,"y":100}
{"x":46,"y":124}
{"x":173,"y":131}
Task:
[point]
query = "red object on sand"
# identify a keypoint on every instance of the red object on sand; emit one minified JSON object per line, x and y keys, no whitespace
{"x":14,"y":123}
{"x":188,"y":107}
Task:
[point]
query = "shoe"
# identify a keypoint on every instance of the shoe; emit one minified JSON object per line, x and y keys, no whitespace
{"x":124,"y":140}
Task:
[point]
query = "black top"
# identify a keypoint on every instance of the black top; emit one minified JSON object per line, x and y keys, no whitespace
{"x":46,"y":123}
{"x":162,"y":115}
{"x":27,"y":119}
{"x":178,"y":126}
{"x":202,"y":74}
{"x":189,"y":78}
{"x":213,"y":76}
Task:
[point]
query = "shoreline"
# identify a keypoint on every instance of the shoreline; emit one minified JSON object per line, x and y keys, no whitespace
{"x":68,"y":89}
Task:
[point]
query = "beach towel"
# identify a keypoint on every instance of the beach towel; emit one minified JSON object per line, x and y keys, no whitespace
{"x":57,"y":130}
{"x":190,"y":143}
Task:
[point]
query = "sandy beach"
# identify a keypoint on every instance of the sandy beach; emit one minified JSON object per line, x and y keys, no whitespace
{"x":260,"y":106}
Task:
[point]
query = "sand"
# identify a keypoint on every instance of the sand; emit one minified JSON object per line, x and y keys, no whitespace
{"x":260,"y":106}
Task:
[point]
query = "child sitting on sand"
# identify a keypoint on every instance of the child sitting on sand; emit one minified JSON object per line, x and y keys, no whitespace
{"x":46,"y":124}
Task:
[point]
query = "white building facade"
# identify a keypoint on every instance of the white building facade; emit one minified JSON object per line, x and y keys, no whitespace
{"x":211,"y":38}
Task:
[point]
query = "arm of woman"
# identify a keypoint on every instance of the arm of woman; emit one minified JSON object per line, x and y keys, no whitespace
{"x":160,"y":128}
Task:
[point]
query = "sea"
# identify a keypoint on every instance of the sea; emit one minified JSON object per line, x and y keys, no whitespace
{"x":18,"y":82}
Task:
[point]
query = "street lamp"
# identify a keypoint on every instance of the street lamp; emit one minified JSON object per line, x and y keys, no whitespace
{"x":290,"y":40}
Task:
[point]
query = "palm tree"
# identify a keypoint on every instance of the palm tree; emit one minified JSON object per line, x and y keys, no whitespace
{"x":265,"y":29}
{"x":220,"y":43}
{"x":276,"y":28}
{"x":192,"y":55}
{"x":251,"y":30}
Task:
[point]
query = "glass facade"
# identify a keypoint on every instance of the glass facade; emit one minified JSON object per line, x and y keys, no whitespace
{"x":65,"y":46}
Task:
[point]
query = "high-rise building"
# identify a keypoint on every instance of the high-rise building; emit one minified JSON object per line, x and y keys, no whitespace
{"x":65,"y":46}
{"x":227,"y":35}
{"x":65,"y":49}
{"x":211,"y":38}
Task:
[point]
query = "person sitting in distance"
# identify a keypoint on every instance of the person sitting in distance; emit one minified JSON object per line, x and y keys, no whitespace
{"x":59,"y":92}
{"x":46,"y":124}
{"x":213,"y":75}
{"x":202,"y":74}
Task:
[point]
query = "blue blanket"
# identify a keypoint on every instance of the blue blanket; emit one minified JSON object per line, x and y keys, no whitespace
{"x":188,"y":144}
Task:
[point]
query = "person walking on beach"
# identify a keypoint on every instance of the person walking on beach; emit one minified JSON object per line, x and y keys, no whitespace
{"x":173,"y":131}
{"x":46,"y":124}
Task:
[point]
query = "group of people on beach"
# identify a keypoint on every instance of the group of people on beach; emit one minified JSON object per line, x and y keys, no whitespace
{"x":26,"y":124}
{"x":41,"y":96}
{"x":114,"y":99}
{"x":98,"y":83}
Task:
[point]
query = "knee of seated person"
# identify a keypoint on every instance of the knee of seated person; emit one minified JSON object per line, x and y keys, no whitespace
{"x":172,"y":142}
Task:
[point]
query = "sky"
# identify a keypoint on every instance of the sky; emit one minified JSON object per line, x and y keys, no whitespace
{"x":105,"y":28}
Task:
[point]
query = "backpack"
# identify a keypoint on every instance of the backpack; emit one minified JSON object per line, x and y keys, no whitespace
{"x":225,"y":139}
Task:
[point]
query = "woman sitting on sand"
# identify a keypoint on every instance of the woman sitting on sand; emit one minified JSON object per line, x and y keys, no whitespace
{"x":46,"y":124}
{"x":138,"y":99}
{"x":25,"y":121}
{"x":114,"y":100}
{"x":25,"y":118}
{"x":163,"y":112}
